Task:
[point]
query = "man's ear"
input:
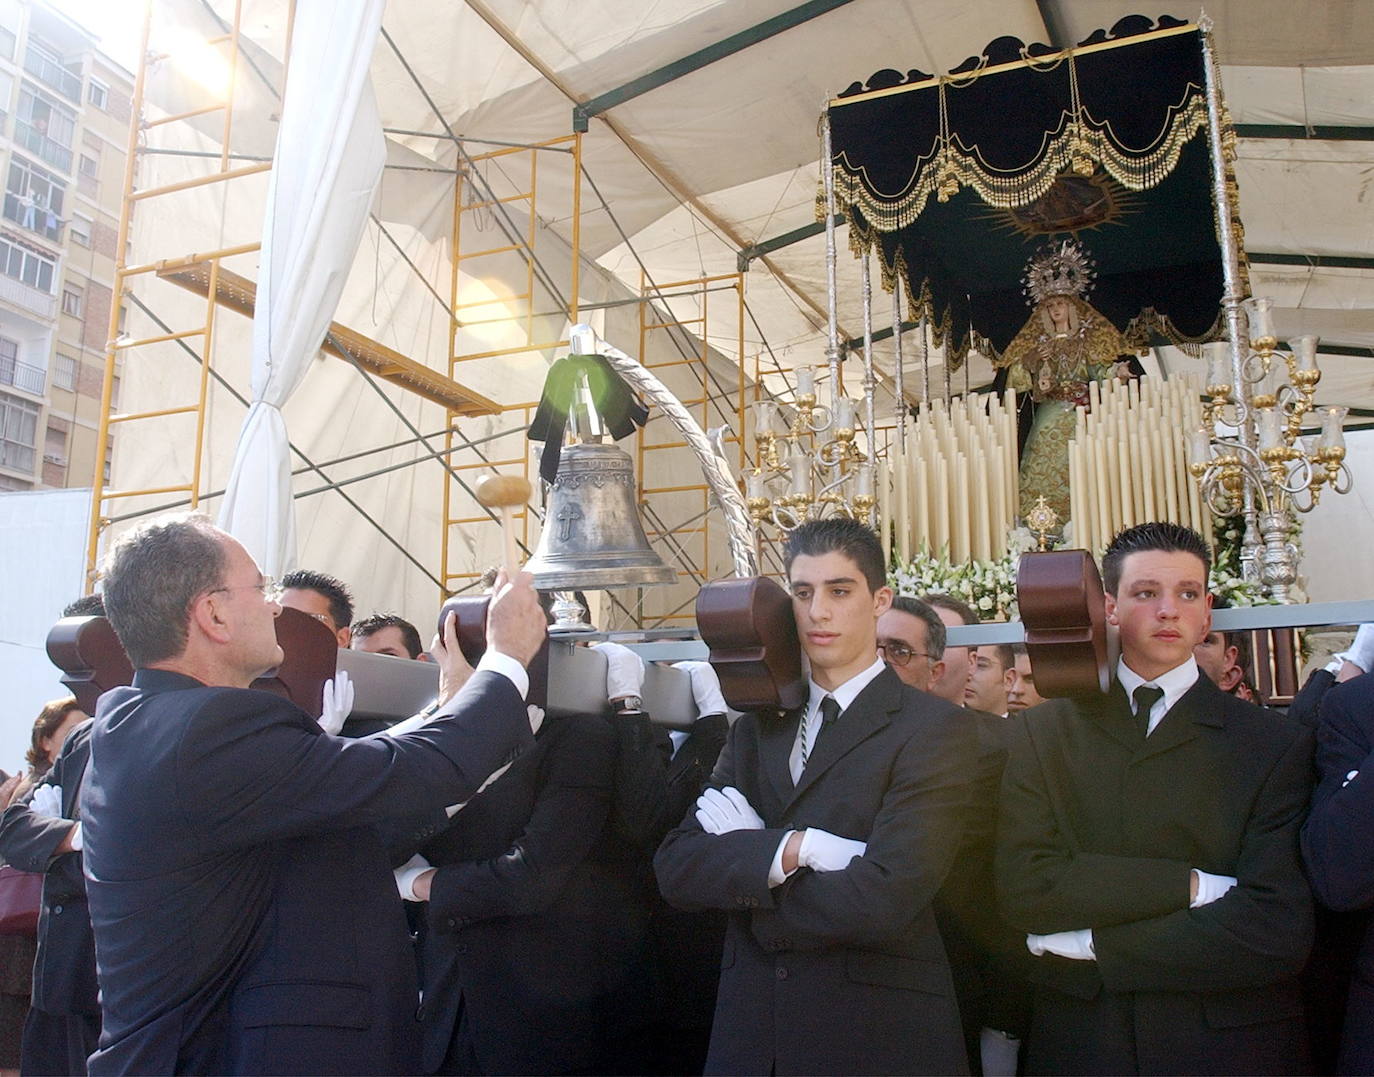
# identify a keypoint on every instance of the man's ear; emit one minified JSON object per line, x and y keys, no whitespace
{"x":207,"y":618}
{"x":1110,"y":602}
{"x":937,"y":670}
{"x":1231,"y":677}
{"x":1207,"y":626}
{"x":882,"y":601}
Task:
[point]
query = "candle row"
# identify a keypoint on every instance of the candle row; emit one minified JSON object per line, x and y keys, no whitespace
{"x":953,"y":484}
{"x":1128,"y":461}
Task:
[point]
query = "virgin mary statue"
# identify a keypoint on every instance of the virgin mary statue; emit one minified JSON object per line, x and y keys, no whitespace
{"x":1064,"y":345}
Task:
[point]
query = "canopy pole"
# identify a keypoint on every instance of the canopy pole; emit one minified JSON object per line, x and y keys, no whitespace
{"x":1232,"y":293}
{"x":897,"y":364}
{"x":832,"y":339}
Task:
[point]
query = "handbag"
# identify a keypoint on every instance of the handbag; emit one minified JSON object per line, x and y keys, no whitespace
{"x":21,"y":894}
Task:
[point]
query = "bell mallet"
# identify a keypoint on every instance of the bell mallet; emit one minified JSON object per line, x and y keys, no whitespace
{"x":507,"y":493}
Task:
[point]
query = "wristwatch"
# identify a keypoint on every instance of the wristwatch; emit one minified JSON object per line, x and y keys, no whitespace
{"x":629,"y":705}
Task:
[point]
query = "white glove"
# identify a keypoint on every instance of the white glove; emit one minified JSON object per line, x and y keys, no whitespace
{"x":1075,"y":945}
{"x":1209,"y":888}
{"x":705,"y":687}
{"x":823,"y":851}
{"x":77,"y":842}
{"x":47,"y":801}
{"x":407,"y":873}
{"x":338,"y":703}
{"x":624,"y":671}
{"x":719,"y":811}
{"x":1361,"y":652}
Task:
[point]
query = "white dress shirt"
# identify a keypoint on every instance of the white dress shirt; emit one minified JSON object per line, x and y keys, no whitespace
{"x":1175,"y":684}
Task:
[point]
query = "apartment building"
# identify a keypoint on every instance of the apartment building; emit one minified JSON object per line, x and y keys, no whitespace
{"x":64,"y":124}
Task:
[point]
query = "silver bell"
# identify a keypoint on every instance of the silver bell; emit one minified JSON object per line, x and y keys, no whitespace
{"x":592,"y":537}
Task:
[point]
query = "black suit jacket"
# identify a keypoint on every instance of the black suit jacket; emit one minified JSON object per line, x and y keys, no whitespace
{"x":843,"y":971}
{"x":245,"y":915}
{"x":523,"y":926}
{"x":1100,"y":830}
{"x":64,"y":969}
{"x":1338,"y":845}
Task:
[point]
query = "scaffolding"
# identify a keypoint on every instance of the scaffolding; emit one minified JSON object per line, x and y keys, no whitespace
{"x":691,"y":333}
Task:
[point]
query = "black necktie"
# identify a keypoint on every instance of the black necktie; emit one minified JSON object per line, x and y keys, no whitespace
{"x":829,"y":711}
{"x":1145,"y":697}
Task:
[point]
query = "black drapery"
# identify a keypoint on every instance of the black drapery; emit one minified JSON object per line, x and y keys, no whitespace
{"x":958,"y":181}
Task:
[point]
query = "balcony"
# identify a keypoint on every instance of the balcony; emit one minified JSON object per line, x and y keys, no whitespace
{"x":49,"y":150}
{"x":22,"y":376}
{"x":39,"y":221}
{"x":31,"y":299}
{"x":51,"y":73}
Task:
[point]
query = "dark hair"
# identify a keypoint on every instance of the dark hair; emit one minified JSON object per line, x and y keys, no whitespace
{"x":49,"y":720}
{"x":838,"y":534}
{"x":948,"y":602}
{"x":1005,"y":655}
{"x":1142,"y":538}
{"x":328,"y":587}
{"x":378,"y":621}
{"x":151,"y":576}
{"x":1017,"y":651}
{"x":85,"y":606}
{"x":935,"y":628}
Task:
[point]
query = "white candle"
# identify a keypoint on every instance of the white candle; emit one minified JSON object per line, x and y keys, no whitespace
{"x":1332,"y":435}
{"x":978,"y":491}
{"x":1261,"y":317}
{"x":806,"y":381}
{"x":1305,"y":351}
{"x":885,"y":509}
{"x":1200,"y":447}
{"x":863,"y":481}
{"x":800,"y":473}
{"x":1270,"y":429}
{"x":844,"y":413}
{"x":903,"y":474}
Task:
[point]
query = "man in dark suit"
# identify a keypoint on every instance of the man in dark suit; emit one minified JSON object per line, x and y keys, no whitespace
{"x":245,"y":916}
{"x":1338,"y":847}
{"x":986,"y":956}
{"x":827,"y":832}
{"x":1148,"y":845}
{"x":42,"y":833}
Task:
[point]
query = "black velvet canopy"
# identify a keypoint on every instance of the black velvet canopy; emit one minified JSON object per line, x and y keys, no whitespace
{"x":957,"y":181}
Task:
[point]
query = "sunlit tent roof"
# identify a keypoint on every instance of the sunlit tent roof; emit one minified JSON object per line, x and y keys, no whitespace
{"x":702,"y":157}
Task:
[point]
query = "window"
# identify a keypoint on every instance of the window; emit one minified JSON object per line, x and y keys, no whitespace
{"x":90,"y":166}
{"x":45,"y":126}
{"x":98,"y":94}
{"x":73,"y":297}
{"x":26,"y":265}
{"x":64,"y":372}
{"x":81,"y":230}
{"x":55,"y":446}
{"x":34,"y":198}
{"x":18,"y":431}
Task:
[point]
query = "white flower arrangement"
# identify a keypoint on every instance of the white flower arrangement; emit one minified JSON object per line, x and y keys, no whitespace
{"x":987,"y":586}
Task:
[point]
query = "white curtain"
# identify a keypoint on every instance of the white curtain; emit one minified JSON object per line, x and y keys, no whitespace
{"x":328,"y":161}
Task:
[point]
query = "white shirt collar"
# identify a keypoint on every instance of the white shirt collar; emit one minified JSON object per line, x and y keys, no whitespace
{"x":846,"y":693}
{"x":1175,"y":683}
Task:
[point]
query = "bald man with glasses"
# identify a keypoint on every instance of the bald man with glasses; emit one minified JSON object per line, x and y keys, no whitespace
{"x":983,"y":951}
{"x":911,"y":639}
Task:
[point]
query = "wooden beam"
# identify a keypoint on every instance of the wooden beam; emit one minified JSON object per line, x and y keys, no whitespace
{"x":240,"y":294}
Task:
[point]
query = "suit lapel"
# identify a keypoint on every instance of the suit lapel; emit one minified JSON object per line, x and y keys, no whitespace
{"x":1200,"y":706}
{"x":776,"y":737}
{"x":1112,"y":713}
{"x":870,"y":711}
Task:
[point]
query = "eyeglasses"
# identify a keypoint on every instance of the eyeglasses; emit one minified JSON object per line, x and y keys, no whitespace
{"x":270,"y":588}
{"x":899,"y":654}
